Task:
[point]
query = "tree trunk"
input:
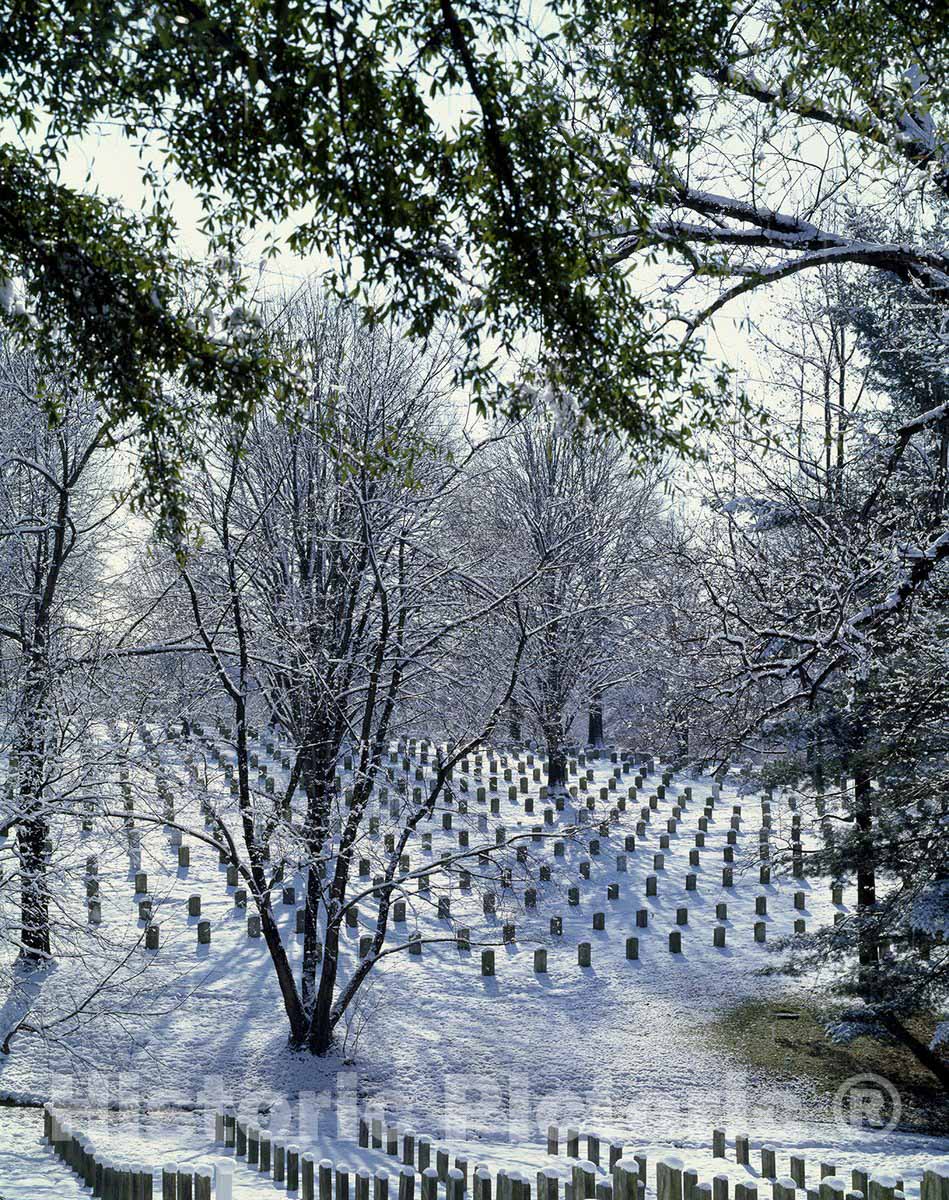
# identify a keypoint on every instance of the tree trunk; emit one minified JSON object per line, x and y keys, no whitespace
{"x":828,"y":438}
{"x":595,"y":724}
{"x":321,"y":1016}
{"x":866,"y":865}
{"x":841,"y":350}
{"x":556,"y":758}
{"x":34,"y":900}
{"x":284,"y":972}
{"x":514,"y":720}
{"x":815,"y":762}
{"x":318,"y":775}
{"x":261,"y":893}
{"x":32,"y":832}
{"x":320,"y":1033}
{"x":942,"y":474}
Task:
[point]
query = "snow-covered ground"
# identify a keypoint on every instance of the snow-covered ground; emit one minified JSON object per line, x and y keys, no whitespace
{"x":482,"y":1064}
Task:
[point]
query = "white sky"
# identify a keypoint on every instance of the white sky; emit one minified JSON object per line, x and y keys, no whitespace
{"x":110,"y":164}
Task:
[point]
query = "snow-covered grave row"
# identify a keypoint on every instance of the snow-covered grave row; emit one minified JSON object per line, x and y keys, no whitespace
{"x":602,"y":873}
{"x":425,"y":1170}
{"x":454,"y":837}
{"x":608,"y":874}
{"x":608,"y":1172}
{"x":606,"y":871}
{"x":108,"y":1178}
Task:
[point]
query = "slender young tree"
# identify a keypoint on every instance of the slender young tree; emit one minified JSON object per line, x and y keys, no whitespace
{"x":329,"y":592}
{"x":572,"y":512}
{"x":57,"y":513}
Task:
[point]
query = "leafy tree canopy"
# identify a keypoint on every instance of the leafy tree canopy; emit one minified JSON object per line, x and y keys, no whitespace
{"x":470,"y":162}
